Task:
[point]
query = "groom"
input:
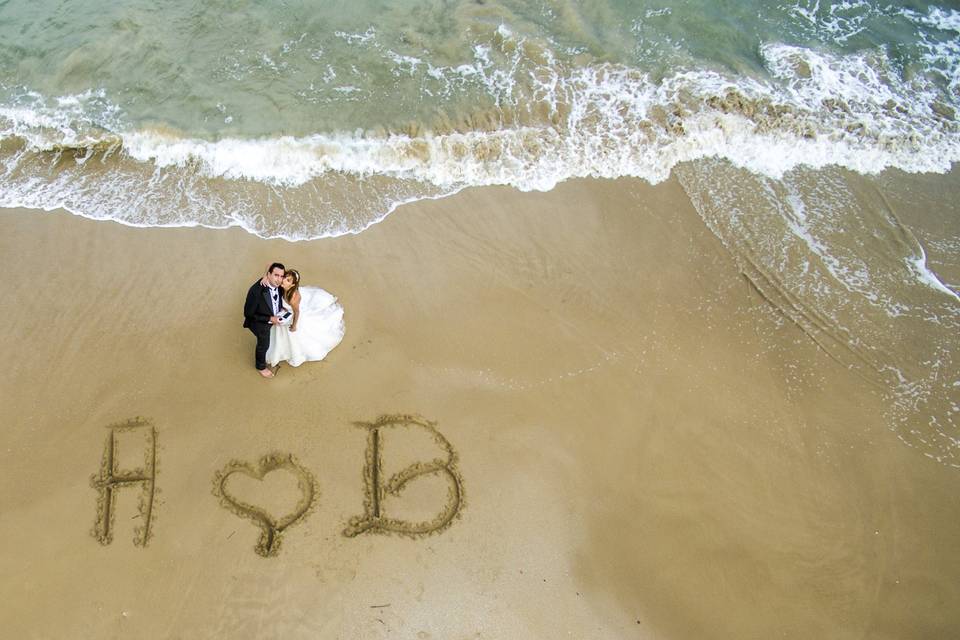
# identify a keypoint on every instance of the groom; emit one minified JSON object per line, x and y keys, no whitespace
{"x":261,"y":310}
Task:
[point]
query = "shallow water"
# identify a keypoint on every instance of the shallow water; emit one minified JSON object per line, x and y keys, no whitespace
{"x":302,"y":120}
{"x":842,"y":256}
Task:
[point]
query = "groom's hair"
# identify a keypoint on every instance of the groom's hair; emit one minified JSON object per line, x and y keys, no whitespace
{"x":276,"y":265}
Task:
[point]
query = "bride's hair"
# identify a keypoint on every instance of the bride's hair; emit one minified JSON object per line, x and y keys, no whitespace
{"x":293,"y":273}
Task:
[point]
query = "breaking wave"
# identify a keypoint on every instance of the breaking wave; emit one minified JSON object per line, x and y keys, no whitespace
{"x":551,"y":122}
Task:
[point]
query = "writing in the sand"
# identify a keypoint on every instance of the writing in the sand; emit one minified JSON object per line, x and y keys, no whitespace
{"x":381,"y":490}
{"x":112,"y":478}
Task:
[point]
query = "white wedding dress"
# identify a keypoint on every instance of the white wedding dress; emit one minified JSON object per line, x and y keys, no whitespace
{"x":319,"y":329}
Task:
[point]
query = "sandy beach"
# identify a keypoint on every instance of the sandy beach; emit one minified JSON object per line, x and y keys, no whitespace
{"x":644,"y":447}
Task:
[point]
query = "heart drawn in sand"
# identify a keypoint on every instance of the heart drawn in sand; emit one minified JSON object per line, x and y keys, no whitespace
{"x":271,"y":526}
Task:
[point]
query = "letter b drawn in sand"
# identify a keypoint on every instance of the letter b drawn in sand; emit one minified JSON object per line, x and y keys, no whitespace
{"x":271,"y":528}
{"x":376,"y":488}
{"x":111,"y":479}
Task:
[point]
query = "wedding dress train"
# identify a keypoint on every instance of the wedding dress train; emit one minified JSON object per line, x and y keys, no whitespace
{"x":319,"y":329}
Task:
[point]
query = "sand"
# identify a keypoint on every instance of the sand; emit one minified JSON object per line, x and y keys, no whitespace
{"x":588,"y":423}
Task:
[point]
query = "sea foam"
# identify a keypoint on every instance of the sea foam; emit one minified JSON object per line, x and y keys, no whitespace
{"x":812,"y":108}
{"x":850,"y":111}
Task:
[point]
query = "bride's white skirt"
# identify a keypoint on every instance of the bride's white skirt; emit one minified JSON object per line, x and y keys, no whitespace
{"x":319,"y":330}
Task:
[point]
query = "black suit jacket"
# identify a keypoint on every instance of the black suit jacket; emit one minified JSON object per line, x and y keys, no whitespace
{"x":258,"y":308}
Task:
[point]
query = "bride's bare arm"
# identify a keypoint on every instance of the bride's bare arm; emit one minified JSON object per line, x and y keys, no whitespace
{"x":295,"y":305}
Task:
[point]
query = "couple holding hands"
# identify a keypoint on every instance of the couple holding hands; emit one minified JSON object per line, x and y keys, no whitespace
{"x":292,"y":324}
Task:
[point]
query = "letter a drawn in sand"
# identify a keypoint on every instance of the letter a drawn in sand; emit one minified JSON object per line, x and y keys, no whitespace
{"x":271,"y":528}
{"x":111,"y":479}
{"x":376,"y":488}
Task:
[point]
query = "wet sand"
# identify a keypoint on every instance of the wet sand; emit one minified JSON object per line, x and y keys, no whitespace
{"x":647,"y":449}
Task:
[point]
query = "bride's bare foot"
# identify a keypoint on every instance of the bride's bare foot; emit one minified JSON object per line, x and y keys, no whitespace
{"x":266,"y":373}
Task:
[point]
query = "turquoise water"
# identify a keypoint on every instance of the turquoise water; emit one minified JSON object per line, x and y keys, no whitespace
{"x":307,"y":119}
{"x":245,"y":69}
{"x":785,"y":123}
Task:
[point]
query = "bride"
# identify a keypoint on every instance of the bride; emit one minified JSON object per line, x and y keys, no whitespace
{"x":311,"y":324}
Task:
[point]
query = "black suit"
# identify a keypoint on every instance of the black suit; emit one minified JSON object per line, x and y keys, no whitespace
{"x":257,"y":311}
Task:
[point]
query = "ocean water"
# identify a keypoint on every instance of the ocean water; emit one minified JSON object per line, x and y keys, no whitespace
{"x":794,"y":127}
{"x":309,"y":119}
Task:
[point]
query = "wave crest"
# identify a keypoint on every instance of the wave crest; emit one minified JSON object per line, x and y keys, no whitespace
{"x":604,"y":120}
